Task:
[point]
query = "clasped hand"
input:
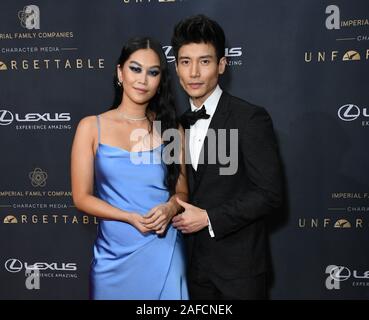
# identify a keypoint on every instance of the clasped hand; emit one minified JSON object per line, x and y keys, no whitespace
{"x":156,"y":220}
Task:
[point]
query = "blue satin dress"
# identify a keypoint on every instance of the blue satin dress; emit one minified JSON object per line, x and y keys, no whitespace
{"x":127,"y":264}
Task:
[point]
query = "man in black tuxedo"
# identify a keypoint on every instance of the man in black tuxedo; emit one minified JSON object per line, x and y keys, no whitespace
{"x":224,"y":224}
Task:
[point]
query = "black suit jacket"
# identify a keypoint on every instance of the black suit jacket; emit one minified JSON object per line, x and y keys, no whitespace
{"x":236,"y":204}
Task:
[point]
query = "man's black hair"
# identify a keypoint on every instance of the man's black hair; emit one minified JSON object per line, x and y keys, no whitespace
{"x":199,"y":29}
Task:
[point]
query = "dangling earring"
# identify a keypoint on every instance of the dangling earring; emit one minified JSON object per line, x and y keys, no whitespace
{"x":119,"y":83}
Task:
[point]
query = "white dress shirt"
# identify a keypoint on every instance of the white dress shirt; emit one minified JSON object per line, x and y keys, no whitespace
{"x":199,"y":129}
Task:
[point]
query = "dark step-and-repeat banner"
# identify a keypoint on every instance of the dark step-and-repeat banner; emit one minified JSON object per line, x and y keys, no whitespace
{"x":305,"y":61}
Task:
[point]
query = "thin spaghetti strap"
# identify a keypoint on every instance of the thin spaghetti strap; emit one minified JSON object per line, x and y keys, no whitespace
{"x":98,"y":128}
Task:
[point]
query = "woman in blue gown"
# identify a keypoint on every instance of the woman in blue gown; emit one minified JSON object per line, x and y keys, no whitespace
{"x":119,"y":175}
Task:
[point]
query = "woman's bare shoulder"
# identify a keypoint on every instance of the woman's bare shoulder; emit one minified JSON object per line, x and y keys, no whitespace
{"x":109,"y":115}
{"x":87,"y":123}
{"x":91,"y":121}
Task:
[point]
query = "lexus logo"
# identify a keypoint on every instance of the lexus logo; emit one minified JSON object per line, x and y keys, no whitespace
{"x":229,"y":53}
{"x":6,"y":117}
{"x":340,"y":273}
{"x":13,"y":265}
{"x":349,"y":112}
{"x":168,"y":54}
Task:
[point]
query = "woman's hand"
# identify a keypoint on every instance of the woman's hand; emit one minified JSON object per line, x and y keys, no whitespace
{"x":158,"y":218}
{"x":137,"y":221}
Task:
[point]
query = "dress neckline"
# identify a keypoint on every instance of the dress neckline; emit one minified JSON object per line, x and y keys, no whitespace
{"x":127,"y":151}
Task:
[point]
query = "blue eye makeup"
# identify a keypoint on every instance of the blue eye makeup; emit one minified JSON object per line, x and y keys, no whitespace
{"x":138,"y":69}
{"x":154,"y":73}
{"x":135,"y":69}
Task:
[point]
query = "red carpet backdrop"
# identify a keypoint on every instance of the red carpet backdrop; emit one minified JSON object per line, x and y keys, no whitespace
{"x":305,"y":61}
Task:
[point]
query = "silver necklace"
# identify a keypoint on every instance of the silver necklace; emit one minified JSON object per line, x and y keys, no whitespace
{"x":131,"y":118}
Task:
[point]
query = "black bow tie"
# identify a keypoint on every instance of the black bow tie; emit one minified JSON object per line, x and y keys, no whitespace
{"x":190,"y":117}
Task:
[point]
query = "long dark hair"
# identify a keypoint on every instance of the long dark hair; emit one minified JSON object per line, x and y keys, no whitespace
{"x":162,"y":104}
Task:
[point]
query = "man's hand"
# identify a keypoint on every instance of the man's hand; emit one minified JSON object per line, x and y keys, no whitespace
{"x":191,"y":220}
